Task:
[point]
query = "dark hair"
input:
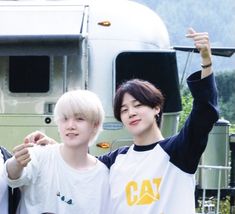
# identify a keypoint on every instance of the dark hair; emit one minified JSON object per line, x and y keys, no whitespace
{"x":143,"y":91}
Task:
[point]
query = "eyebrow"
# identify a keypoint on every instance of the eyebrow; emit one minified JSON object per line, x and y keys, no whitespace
{"x":133,"y":101}
{"x":79,"y":115}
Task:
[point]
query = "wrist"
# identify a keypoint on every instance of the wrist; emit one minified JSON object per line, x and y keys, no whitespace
{"x":206,"y":65}
{"x":206,"y":60}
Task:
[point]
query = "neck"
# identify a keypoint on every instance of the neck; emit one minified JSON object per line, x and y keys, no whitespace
{"x":77,"y":158}
{"x":148,"y":137}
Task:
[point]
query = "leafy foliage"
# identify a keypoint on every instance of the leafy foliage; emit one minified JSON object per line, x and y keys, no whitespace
{"x":203,"y":15}
{"x":226,"y":90}
{"x":215,"y":17}
{"x":224,"y":205}
{"x":187,"y":102}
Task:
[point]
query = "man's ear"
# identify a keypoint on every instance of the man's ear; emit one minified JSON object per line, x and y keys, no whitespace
{"x":95,"y":126}
{"x":157,"y":110}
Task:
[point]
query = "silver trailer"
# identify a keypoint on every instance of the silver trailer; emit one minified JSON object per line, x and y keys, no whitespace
{"x":50,"y":47}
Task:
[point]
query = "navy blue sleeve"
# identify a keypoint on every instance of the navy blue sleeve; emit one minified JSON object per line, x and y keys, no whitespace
{"x":13,"y":194}
{"x":109,"y":159}
{"x":186,"y":148}
{"x":6,"y":154}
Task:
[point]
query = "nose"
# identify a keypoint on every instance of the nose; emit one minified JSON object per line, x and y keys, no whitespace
{"x":71,"y":124}
{"x":131,"y":112}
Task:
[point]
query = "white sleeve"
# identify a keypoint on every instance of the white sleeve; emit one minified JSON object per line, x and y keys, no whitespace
{"x":29,"y":173}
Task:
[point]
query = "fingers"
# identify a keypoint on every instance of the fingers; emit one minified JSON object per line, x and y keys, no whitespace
{"x":44,"y":141}
{"x":201,"y":37}
{"x":34,"y":137}
{"x":201,"y":42}
{"x":21,"y":154}
{"x":191,"y":31}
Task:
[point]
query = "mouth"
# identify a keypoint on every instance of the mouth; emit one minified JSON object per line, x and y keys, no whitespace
{"x":134,"y":122}
{"x":71,"y":134}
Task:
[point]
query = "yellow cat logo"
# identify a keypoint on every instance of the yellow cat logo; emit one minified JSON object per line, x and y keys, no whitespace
{"x":143,"y":193}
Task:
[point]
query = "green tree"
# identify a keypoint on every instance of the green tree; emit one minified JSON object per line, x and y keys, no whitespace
{"x":226,"y":90}
{"x":187,"y":102}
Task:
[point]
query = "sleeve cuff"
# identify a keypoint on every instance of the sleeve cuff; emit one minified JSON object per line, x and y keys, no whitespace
{"x":17,"y":182}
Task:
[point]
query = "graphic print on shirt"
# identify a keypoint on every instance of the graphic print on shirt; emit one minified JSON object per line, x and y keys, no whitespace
{"x":62,"y":198}
{"x":144,"y":192}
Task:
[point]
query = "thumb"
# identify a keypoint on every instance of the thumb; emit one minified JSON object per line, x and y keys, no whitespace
{"x":191,"y":30}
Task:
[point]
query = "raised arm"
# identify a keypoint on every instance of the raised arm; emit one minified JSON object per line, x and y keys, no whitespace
{"x":186,"y":148}
{"x":201,"y":42}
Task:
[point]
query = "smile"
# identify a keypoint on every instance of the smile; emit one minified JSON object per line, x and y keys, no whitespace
{"x":71,"y":134}
{"x":134,"y":122}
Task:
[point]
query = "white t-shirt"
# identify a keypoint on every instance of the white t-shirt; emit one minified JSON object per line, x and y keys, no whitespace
{"x":50,"y":185}
{"x":151,"y":184}
{"x":3,"y":188}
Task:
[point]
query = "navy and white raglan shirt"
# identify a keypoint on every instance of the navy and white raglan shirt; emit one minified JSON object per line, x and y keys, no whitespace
{"x":159,"y":178}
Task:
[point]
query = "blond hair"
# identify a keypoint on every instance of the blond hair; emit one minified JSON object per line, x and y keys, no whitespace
{"x":81,"y":102}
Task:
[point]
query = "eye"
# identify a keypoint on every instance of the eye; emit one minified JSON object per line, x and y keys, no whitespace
{"x":64,"y":118}
{"x":138,"y":105}
{"x":123,"y":110}
{"x":80,"y":118}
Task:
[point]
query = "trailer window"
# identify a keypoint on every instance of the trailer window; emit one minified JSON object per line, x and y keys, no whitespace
{"x":159,"y":68}
{"x":29,"y":74}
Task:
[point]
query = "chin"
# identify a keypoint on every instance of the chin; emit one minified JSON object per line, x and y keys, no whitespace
{"x":74,"y":144}
{"x":71,"y":143}
{"x":135,"y":132}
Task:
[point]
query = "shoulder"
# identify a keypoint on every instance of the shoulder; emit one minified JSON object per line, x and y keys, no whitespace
{"x":110,"y":158}
{"x":102,"y":167}
{"x":168,"y":144}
